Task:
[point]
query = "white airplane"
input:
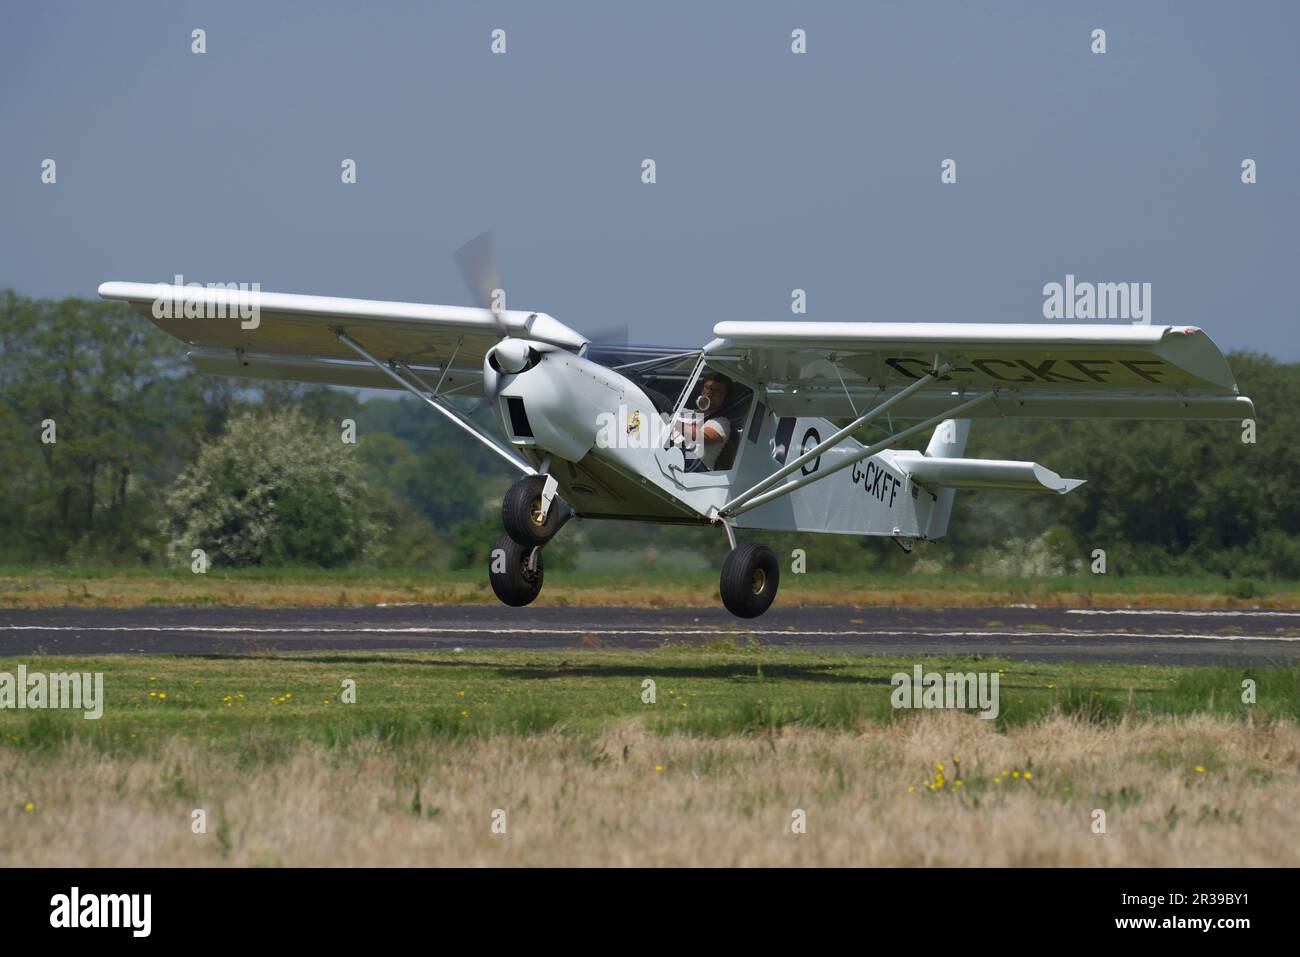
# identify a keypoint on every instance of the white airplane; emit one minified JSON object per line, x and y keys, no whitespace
{"x":762,"y":428}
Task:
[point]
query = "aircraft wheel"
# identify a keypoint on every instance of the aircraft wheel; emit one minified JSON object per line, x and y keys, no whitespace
{"x":750,"y":576}
{"x":521,"y":512}
{"x":509,"y":571}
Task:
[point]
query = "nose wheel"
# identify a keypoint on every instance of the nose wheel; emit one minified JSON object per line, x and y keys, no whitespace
{"x":515,"y":571}
{"x":528,"y":518}
{"x":750,"y":576}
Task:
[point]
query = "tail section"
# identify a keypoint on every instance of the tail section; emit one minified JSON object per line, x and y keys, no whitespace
{"x":942,"y":470}
{"x":948,"y":442}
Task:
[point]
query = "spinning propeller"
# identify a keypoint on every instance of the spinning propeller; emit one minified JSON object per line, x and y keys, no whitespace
{"x":482,"y":274}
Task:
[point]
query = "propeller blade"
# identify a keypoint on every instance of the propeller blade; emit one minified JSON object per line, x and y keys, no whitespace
{"x":478,"y":265}
{"x":477,"y":260}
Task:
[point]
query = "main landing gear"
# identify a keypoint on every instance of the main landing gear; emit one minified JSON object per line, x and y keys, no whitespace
{"x":750,"y":576}
{"x":531,"y":515}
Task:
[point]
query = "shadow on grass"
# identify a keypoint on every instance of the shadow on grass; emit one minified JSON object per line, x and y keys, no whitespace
{"x":546,"y":671}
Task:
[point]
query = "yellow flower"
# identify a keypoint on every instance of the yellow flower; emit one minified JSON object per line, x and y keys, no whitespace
{"x":659,"y":767}
{"x":938,"y":767}
{"x":911,"y":790}
{"x":464,"y":713}
{"x":957,"y":783}
{"x":1015,"y":774}
{"x":461,"y":693}
{"x":29,"y":806}
{"x":153,"y":678}
{"x":1199,"y":769}
{"x":1028,"y":776}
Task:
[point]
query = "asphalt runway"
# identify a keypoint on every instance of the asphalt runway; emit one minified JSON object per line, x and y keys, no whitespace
{"x":1024,"y":633}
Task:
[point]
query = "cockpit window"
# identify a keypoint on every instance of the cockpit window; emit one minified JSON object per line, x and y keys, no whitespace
{"x":661,"y":373}
{"x":715,"y":410}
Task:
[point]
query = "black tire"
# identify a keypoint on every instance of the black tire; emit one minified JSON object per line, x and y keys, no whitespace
{"x":514,"y":582}
{"x":521,"y":508}
{"x":750,"y":577}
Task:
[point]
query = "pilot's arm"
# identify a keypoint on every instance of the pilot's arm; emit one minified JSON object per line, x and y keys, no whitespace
{"x":711,"y":432}
{"x":715,"y":433}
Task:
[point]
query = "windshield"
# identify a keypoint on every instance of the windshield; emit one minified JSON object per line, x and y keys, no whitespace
{"x":661,"y":373}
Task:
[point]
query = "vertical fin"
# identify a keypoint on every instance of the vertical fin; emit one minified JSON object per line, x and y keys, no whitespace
{"x":948,"y":442}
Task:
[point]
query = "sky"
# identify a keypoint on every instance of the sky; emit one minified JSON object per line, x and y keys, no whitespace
{"x":774,"y":170}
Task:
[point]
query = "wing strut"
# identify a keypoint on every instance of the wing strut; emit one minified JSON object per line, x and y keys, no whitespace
{"x":455,"y":417}
{"x":732,"y":509}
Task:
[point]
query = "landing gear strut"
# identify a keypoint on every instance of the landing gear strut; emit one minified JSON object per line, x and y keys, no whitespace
{"x":515,"y":571}
{"x":750,"y":576}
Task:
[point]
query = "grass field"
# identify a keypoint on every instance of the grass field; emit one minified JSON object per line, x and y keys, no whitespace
{"x":108,"y":587}
{"x":739,"y":740}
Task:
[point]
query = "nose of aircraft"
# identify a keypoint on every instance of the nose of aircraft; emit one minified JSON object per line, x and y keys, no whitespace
{"x":511,"y":356}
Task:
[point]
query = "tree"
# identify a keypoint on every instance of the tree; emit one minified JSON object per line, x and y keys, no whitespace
{"x":270,"y":490}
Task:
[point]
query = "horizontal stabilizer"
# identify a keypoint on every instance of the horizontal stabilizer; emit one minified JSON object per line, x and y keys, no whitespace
{"x":983,"y":474}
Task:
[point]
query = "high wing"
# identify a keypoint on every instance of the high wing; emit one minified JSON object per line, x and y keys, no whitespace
{"x":838,"y":369}
{"x":294,"y":337}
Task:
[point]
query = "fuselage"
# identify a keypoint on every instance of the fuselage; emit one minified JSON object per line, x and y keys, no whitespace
{"x":611,"y":449}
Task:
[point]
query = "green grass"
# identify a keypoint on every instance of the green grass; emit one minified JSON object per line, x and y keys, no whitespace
{"x":260,"y":708}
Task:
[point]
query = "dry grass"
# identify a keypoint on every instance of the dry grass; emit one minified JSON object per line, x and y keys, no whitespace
{"x":600,"y":800}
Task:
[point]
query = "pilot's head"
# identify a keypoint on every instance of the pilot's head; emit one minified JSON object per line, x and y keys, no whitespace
{"x":713,"y":392}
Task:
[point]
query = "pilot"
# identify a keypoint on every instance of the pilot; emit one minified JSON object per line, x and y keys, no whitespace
{"x":706,"y":432}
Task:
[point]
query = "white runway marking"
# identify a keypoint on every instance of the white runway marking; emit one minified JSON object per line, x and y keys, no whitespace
{"x":1207,"y":613}
{"x":234,"y":630}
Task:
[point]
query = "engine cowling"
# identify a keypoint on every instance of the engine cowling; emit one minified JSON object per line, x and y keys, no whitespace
{"x":512,"y":356}
{"x":556,"y":400}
